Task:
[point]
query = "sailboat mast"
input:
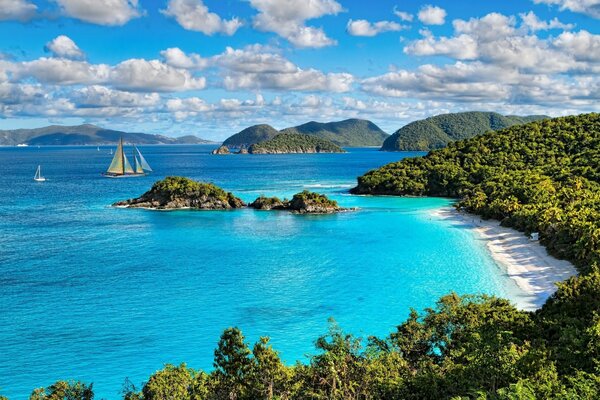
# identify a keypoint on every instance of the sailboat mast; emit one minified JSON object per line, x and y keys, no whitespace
{"x":122,"y":156}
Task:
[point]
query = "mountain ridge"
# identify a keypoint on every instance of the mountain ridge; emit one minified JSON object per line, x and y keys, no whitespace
{"x":87,"y":134}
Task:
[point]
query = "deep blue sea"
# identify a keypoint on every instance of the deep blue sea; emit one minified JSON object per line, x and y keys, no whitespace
{"x":101,"y":294}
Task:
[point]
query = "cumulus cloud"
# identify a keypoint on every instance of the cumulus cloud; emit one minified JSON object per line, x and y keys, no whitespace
{"x":61,"y":71}
{"x":175,"y":57}
{"x":252,"y":69}
{"x":287,"y":19}
{"x":101,"y":12}
{"x":403,"y":15}
{"x":20,"y":10}
{"x":533,"y":23}
{"x":496,"y":39}
{"x":63,"y":46}
{"x":193,"y":15}
{"x":153,"y":75}
{"x":362,"y":27}
{"x":432,"y":15}
{"x":588,"y":7}
{"x":102,"y":96}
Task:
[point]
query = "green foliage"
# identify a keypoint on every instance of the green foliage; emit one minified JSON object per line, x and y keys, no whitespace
{"x":176,"y":187}
{"x":438,"y":131}
{"x":64,"y":390}
{"x":251,"y":135}
{"x":347,"y":133}
{"x":295,"y":143}
{"x":232,"y":365}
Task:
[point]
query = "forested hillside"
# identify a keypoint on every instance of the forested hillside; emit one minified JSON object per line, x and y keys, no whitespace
{"x":438,"y":131}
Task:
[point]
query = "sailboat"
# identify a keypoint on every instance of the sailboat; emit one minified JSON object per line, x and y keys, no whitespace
{"x":38,"y":175}
{"x":121,"y":168}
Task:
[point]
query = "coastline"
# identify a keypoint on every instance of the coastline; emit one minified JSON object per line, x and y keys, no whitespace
{"x":525,"y":261}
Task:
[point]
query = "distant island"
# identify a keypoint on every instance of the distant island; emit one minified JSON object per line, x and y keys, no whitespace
{"x":86,"y":134}
{"x":346,"y":133}
{"x":180,"y":193}
{"x":438,"y":131}
{"x":285,"y":143}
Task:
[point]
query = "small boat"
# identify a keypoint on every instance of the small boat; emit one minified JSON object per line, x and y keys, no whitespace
{"x":121,"y":168}
{"x":22,"y":145}
{"x":111,"y":152}
{"x":97,"y":148}
{"x":38,"y":175}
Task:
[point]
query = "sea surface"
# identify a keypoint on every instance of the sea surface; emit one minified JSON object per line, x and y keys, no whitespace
{"x":102,"y":294}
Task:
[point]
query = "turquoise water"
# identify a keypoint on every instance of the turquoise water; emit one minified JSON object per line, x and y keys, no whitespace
{"x":100,"y":294}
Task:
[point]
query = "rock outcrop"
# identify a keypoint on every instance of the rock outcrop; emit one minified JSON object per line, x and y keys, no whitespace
{"x":174,"y":192}
{"x":221,"y":150}
{"x":302,"y":203}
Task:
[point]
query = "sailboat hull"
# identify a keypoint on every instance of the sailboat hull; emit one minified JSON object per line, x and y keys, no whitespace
{"x":122,"y":175}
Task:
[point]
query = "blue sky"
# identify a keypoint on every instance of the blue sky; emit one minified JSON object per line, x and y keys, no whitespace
{"x":212,"y":67}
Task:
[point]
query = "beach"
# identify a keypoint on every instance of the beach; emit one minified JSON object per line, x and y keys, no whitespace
{"x":525,"y":261}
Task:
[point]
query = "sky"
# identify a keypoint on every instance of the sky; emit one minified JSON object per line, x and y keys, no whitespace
{"x":212,"y":67}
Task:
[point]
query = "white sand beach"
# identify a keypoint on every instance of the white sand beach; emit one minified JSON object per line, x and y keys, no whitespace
{"x":525,"y":261}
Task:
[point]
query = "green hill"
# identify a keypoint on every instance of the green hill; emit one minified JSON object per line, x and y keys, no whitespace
{"x":436,"y":132}
{"x":86,"y":135}
{"x":347,"y":133}
{"x":251,"y":135}
{"x":285,"y":143}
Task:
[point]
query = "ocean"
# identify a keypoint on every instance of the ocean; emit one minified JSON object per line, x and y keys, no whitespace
{"x":100,"y":294}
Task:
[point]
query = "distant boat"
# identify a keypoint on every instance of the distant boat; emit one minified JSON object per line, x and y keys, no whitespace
{"x":38,"y":175}
{"x":121,"y":168}
{"x":22,"y":145}
{"x":97,"y":148}
{"x":111,"y":152}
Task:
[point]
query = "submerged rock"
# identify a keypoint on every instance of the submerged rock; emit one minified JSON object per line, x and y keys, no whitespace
{"x":221,"y":150}
{"x":175,"y":192}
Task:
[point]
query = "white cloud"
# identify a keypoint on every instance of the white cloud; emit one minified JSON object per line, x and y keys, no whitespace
{"x":252,"y":69}
{"x":533,"y":23}
{"x":582,"y":46}
{"x":496,"y":39}
{"x":404,"y":16}
{"x":175,"y":57}
{"x":20,"y":10}
{"x":432,"y":15}
{"x":588,"y":7}
{"x":362,"y":27}
{"x":287,"y":19}
{"x":63,"y":46}
{"x":101,"y":96}
{"x":193,"y":15}
{"x":101,"y":12}
{"x":60,"y":71}
{"x":153,"y":75}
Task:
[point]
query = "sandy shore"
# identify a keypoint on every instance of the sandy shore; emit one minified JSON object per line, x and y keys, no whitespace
{"x":525,"y":261}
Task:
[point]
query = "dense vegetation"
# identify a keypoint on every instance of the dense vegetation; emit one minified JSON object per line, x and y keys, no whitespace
{"x":542,"y":176}
{"x":438,"y":131}
{"x":86,"y":134}
{"x":295,"y":143}
{"x":177,"y":192}
{"x":251,"y":135}
{"x":346,"y":133}
{"x":305,"y":202}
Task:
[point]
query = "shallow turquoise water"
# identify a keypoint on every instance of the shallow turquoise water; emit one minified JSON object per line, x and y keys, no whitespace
{"x":100,"y":294}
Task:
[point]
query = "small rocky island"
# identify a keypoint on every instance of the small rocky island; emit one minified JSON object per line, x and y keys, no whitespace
{"x":179,"y":193}
{"x":286,"y":143}
{"x":176,"y":193}
{"x":302,"y":203}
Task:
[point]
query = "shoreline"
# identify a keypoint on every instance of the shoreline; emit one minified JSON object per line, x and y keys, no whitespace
{"x":525,"y":261}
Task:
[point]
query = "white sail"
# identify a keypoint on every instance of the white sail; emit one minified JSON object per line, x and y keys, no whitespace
{"x":143,"y":162}
{"x":117,"y":165}
{"x":38,"y":175}
{"x":138,"y":166}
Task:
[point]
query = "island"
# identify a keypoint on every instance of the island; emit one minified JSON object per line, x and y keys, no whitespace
{"x":438,"y":131}
{"x":347,"y":133}
{"x":286,"y":143}
{"x":305,"y":202}
{"x":251,"y":135}
{"x":221,"y":150}
{"x":176,"y":193}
